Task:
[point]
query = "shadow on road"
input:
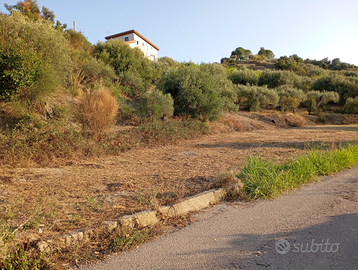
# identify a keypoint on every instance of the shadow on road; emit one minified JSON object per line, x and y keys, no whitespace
{"x":330,"y":245}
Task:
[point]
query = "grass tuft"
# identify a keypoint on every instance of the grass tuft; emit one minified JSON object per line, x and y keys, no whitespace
{"x":262,"y":179}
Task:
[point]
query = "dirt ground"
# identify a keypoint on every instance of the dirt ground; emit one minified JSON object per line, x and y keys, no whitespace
{"x":86,"y":192}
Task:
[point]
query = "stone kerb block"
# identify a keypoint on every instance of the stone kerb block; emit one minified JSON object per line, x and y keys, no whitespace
{"x":193,"y":203}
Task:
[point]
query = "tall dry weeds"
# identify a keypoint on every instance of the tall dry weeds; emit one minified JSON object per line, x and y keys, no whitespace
{"x":96,"y":111}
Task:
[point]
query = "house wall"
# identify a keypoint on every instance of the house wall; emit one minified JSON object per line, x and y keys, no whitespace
{"x":130,"y":37}
{"x":148,"y":50}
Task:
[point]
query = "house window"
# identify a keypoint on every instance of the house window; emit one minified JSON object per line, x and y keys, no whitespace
{"x":126,"y":39}
{"x":143,"y":44}
{"x":137,"y":42}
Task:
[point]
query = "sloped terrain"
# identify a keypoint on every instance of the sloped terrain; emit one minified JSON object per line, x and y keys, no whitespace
{"x":86,"y":192}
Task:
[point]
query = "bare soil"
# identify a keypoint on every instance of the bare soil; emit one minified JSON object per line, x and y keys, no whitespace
{"x":86,"y":192}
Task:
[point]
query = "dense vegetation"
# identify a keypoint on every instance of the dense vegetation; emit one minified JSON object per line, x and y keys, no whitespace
{"x":59,"y":95}
{"x":306,"y":83}
{"x":55,"y":85}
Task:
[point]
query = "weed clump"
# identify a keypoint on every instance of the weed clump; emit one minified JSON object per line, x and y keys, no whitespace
{"x":263,"y":179}
{"x":97,"y":111}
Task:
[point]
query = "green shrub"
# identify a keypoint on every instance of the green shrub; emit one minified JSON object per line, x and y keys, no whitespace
{"x":38,"y":51}
{"x":351,"y":105}
{"x":19,"y":68}
{"x":345,"y":87}
{"x":130,"y":64}
{"x":156,"y":105}
{"x":244,"y":76}
{"x":256,"y":97}
{"x":274,"y":79}
{"x":166,"y":63}
{"x":290,"y":97}
{"x":95,"y":70}
{"x":134,"y":82}
{"x":228,"y":93}
{"x":318,"y":98}
{"x":194,"y":90}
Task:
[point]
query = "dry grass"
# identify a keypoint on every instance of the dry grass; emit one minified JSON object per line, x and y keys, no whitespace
{"x":296,"y":120}
{"x":235,"y":122}
{"x":97,"y":111}
{"x":84,"y":192}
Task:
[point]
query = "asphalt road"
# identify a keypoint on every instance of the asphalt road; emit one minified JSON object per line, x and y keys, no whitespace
{"x":315,"y":227}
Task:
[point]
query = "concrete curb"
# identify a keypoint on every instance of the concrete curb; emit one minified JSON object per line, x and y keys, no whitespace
{"x":143,"y":219}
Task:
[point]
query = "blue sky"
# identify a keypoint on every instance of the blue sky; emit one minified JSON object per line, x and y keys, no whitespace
{"x":207,"y":30}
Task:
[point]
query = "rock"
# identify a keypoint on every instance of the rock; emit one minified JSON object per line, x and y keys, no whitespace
{"x":42,"y":246}
{"x":110,"y":225}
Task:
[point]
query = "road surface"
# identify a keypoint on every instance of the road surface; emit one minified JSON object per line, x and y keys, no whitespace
{"x":315,"y":227}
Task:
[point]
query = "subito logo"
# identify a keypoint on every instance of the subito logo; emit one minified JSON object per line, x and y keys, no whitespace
{"x":282,"y":246}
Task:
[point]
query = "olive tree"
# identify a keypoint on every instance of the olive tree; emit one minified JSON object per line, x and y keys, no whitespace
{"x":244,"y":76}
{"x":318,"y":98}
{"x":35,"y":58}
{"x":290,"y":97}
{"x":195,"y":91}
{"x":345,"y":87}
{"x":226,"y":88}
{"x":351,"y":105}
{"x":156,"y":105}
{"x":130,"y":64}
{"x":256,"y":97}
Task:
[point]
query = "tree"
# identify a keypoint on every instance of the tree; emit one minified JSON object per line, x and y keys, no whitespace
{"x":318,"y":98}
{"x":290,"y":97}
{"x":31,"y":9}
{"x":240,"y":54}
{"x":256,"y":97}
{"x":156,"y":105}
{"x":195,"y":92}
{"x":227,"y":91}
{"x":267,"y":53}
{"x":130,"y":64}
{"x":273,"y":79}
{"x":244,"y":76}
{"x":35,"y":58}
{"x":351,"y":105}
{"x":293,"y":63}
{"x":48,"y":14}
{"x":345,"y":87}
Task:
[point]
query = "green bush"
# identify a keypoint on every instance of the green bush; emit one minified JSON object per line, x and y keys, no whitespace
{"x":256,"y":97}
{"x":95,"y":70}
{"x":290,"y":97}
{"x":274,"y":79}
{"x":35,"y":49}
{"x":244,"y":76}
{"x":228,"y":93}
{"x":318,"y":98}
{"x":194,"y":90}
{"x":166,"y":63}
{"x":19,"y":68}
{"x":351,"y":105}
{"x":130,"y":64}
{"x":345,"y":87}
{"x":156,"y":105}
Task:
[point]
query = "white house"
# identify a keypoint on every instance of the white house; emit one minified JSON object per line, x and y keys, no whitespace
{"x":134,"y":39}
